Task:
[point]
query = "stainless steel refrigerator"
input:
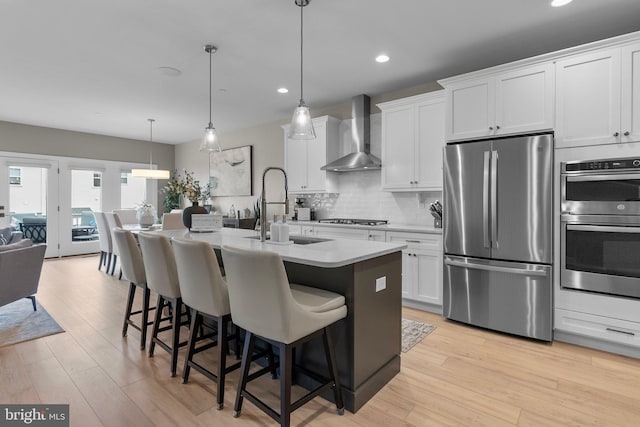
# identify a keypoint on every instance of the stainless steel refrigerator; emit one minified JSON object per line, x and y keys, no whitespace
{"x":498,"y":234}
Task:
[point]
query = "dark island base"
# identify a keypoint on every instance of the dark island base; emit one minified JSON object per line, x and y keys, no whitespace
{"x":368,"y":340}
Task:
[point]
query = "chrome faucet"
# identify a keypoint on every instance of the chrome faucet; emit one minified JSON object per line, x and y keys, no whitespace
{"x":263,"y":206}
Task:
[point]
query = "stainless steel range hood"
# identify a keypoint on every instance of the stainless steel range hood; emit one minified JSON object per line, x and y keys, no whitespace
{"x":360,"y":130}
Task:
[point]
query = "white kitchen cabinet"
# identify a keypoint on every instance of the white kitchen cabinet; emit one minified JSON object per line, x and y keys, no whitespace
{"x":421,"y":269}
{"x":304,"y":158}
{"x":515,"y":101}
{"x":597,"y":95}
{"x":412,"y":142}
{"x":349,"y":233}
{"x":601,"y":328}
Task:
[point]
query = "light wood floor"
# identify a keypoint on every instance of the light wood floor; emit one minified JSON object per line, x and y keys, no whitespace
{"x":458,"y":375}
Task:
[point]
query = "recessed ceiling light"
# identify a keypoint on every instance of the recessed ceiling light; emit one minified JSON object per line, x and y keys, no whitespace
{"x":559,"y":3}
{"x":169,"y":71}
{"x":382,"y":58}
{"x":283,"y":90}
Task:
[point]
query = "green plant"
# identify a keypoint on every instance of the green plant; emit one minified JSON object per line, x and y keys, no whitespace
{"x":172,"y":192}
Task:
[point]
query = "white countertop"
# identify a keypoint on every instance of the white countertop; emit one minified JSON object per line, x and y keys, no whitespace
{"x":407,"y":228}
{"x":328,"y":254}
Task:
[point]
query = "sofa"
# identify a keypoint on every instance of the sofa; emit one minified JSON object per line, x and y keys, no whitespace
{"x":20,"y":267}
{"x":8,"y":236}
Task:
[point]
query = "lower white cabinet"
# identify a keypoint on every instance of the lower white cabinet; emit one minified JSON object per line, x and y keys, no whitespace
{"x":421,"y":269}
{"x":601,"y":328}
{"x":348,"y":233}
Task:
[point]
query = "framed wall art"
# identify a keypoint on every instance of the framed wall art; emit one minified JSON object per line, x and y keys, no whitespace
{"x":230,"y":173}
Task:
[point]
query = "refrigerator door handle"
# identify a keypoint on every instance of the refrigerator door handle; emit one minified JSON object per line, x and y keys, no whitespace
{"x":494,"y":199}
{"x":485,"y":200}
{"x":497,"y":269}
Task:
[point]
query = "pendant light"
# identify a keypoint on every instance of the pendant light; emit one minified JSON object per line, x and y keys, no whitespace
{"x":301,"y":124}
{"x":210,"y":141}
{"x":150,"y":173}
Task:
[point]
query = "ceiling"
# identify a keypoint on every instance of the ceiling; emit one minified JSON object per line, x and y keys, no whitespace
{"x":95,"y":66}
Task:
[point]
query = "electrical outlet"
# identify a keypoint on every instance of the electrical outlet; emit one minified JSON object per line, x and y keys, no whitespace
{"x":381,"y":283}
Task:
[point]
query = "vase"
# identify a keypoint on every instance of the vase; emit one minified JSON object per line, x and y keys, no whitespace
{"x":145,"y":217}
{"x":190,"y":210}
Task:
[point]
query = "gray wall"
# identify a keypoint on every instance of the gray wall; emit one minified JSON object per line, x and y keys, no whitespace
{"x":19,"y":138}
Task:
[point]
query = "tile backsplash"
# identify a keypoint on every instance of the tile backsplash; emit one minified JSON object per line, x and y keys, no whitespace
{"x":359,"y":196}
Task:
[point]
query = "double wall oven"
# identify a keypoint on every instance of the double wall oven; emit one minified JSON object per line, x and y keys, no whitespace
{"x":600,"y":226}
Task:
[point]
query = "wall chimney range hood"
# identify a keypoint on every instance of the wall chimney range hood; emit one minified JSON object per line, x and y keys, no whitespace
{"x":360,"y":131}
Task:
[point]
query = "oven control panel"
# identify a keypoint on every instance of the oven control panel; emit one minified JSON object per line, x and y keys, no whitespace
{"x":598,"y":165}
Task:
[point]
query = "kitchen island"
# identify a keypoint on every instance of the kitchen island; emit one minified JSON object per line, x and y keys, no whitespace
{"x":368,"y":274}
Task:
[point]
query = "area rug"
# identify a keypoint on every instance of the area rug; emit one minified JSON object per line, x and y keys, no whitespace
{"x":18,"y":323}
{"x":413,"y":332}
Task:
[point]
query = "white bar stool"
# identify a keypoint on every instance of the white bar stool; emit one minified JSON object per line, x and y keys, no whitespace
{"x":263,"y":304}
{"x":162,"y":278}
{"x":205,"y":292}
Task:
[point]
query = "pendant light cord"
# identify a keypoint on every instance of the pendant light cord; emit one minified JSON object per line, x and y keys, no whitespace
{"x":151,"y":142}
{"x":210,"y":108}
{"x":301,"y":53}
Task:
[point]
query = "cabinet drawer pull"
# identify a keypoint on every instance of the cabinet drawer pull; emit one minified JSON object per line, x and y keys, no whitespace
{"x":616,"y":134}
{"x":620,"y":332}
{"x":490,"y":127}
{"x":498,"y":127}
{"x":627,"y":133}
{"x":412,"y":241}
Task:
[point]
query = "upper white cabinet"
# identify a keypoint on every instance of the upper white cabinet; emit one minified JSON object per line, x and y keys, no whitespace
{"x":304,"y":158}
{"x":598,"y":97}
{"x":515,"y":101}
{"x":412,"y":142}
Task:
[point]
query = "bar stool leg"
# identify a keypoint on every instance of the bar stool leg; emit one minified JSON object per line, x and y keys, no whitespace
{"x":175,"y":338}
{"x":145,"y":317}
{"x":127,"y":312}
{"x":333,"y":370}
{"x":196,"y":320}
{"x":272,"y":362}
{"x":223,"y":344}
{"x":156,"y":324}
{"x":247,"y":353}
{"x":286,"y":366}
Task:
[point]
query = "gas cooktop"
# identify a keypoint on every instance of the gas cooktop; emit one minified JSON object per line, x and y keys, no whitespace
{"x":354,"y":221}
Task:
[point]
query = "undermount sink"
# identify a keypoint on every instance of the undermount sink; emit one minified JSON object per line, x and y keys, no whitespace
{"x":298,"y":240}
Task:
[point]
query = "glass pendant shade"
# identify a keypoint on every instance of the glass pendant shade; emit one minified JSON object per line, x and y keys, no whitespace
{"x":301,"y":124}
{"x":210,"y":142}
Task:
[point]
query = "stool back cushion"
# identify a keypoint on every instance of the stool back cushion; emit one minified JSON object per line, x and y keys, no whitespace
{"x":130,"y":256}
{"x":113,"y":222}
{"x":106,"y":244}
{"x":201,"y":282}
{"x":127,"y":216}
{"x":159,"y":264}
{"x":261,"y":300}
{"x":172,"y":221}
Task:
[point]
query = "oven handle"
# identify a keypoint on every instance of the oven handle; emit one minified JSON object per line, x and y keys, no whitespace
{"x":603,"y":228}
{"x":607,"y":177}
{"x":497,"y":269}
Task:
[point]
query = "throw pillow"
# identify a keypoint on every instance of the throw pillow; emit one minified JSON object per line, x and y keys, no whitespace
{"x":5,"y":235}
{"x":24,"y":243}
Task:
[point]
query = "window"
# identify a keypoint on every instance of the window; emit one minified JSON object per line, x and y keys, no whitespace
{"x":97,"y":179}
{"x":124,"y":178}
{"x":15,"y":176}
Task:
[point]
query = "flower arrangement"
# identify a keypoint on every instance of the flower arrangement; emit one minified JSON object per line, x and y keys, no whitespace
{"x":145,"y":213}
{"x":172,"y":191}
{"x":186,"y":186}
{"x":191,"y":187}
